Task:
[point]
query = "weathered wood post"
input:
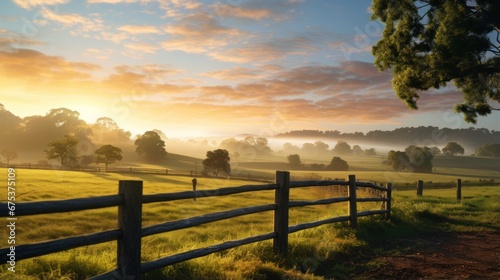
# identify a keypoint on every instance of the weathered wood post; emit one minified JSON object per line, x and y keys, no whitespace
{"x":388,"y":195}
{"x":459,"y":189}
{"x":420,"y":187}
{"x":130,"y":222}
{"x":281,"y":198}
{"x":194,"y":181}
{"x":353,"y":212}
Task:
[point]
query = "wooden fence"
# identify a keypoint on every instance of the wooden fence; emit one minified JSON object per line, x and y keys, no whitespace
{"x":130,"y":231}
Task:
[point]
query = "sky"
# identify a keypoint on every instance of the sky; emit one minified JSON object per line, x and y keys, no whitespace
{"x":208,"y":68}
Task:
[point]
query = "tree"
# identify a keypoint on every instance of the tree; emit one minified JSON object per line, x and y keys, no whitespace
{"x":342,"y":148}
{"x":488,"y":150}
{"x":106,"y":130}
{"x":370,"y":152}
{"x":435,"y":151}
{"x":453,"y":148}
{"x":398,"y":160}
{"x":420,"y":159}
{"x":8,"y":155}
{"x":338,"y":164}
{"x":356,"y":150}
{"x":63,"y":150}
{"x":217,"y":161}
{"x":151,"y":145}
{"x":294,"y":161}
{"x":108,"y":154}
{"x":427,"y":44}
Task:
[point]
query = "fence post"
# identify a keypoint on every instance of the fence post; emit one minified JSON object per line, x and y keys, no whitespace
{"x":353,"y":220}
{"x":459,"y":189}
{"x":388,"y":202}
{"x":420,"y":187}
{"x":130,"y":222}
{"x":281,"y":198}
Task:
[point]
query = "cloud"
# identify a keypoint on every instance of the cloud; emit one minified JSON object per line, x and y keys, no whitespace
{"x":236,"y":73}
{"x":32,"y":65}
{"x":142,"y":47}
{"x":277,"y":10}
{"x":83,"y":24}
{"x":198,"y":33}
{"x":139,"y":29}
{"x":227,"y":10}
{"x":268,"y":51}
{"x":111,"y":1}
{"x":351,"y":92}
{"x":28,"y":4}
{"x":10,"y":39}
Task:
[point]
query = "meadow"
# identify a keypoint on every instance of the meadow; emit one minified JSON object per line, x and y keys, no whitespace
{"x":313,"y":253}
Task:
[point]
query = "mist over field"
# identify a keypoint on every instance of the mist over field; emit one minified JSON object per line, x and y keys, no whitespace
{"x":29,"y":138}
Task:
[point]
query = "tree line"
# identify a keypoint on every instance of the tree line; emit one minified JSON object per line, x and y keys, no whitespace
{"x":430,"y":135}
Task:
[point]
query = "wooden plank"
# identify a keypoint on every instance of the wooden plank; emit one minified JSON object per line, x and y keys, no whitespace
{"x":281,"y":198}
{"x":304,"y":184}
{"x":159,"y":263}
{"x":59,"y":206}
{"x":208,"y":218}
{"x":43,"y":248}
{"x":130,"y":222}
{"x":420,"y":187}
{"x":388,"y":204}
{"x":304,"y":226}
{"x":300,"y":203}
{"x":370,"y":185}
{"x":207,"y":193}
{"x":352,"y":201}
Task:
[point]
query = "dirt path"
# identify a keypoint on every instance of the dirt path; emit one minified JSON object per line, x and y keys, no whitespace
{"x":455,"y":255}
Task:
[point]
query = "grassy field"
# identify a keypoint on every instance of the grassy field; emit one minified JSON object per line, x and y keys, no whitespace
{"x":313,"y":253}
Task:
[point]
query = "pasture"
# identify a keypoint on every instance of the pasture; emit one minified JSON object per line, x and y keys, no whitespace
{"x":313,"y":253}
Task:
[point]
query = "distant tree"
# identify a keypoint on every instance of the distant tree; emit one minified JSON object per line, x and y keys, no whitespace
{"x":294,"y":161}
{"x":151,"y":145}
{"x":356,"y":150}
{"x":63,"y":150}
{"x":399,"y":161}
{"x":338,"y":164}
{"x":106,"y":130}
{"x":317,"y":166}
{"x":108,"y":154}
{"x":8,"y":155}
{"x":435,"y":151}
{"x":342,"y":148}
{"x":370,"y":152}
{"x":217,"y":161}
{"x":421,"y":159}
{"x":488,"y":150}
{"x":453,"y":148}
{"x":427,"y":44}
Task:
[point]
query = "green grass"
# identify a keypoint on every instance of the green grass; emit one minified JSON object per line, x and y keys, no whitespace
{"x":313,"y":253}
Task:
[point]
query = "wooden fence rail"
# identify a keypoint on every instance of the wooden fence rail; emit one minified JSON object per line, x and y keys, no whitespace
{"x":130,"y":199}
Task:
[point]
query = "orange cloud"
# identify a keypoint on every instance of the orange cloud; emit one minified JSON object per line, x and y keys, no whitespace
{"x":236,"y":73}
{"x":27,"y":4}
{"x":275,"y":49}
{"x":226,"y":10}
{"x":69,"y":20}
{"x":197,"y":33}
{"x":139,"y":29}
{"x":142,"y":47}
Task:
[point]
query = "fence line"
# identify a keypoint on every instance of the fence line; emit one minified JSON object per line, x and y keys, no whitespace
{"x":130,"y":232}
